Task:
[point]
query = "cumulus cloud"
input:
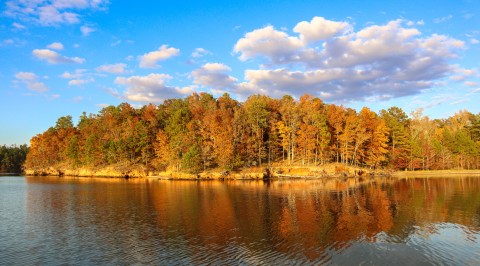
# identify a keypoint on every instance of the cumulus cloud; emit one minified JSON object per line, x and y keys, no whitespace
{"x":214,"y":76}
{"x":71,"y":4}
{"x":77,"y":74}
{"x":78,"y":78}
{"x":268,"y":42}
{"x":53,"y":12}
{"x":53,"y":57}
{"x":331,"y":60}
{"x":150,"y":60}
{"x":461,"y":74}
{"x":55,"y":46}
{"x":113,"y":68}
{"x":151,"y":88}
{"x":200,"y":52}
{"x":86,"y":30}
{"x":30,"y":80}
{"x":49,"y":15}
{"x":319,"y":29}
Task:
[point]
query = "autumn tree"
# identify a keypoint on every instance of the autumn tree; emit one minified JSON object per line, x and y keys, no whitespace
{"x":200,"y":132}
{"x":312,"y":137}
{"x":257,"y":119}
{"x":422,"y":130}
{"x":336,"y":121}
{"x":398,"y":138}
{"x":222,"y":129}
{"x":288,"y":125}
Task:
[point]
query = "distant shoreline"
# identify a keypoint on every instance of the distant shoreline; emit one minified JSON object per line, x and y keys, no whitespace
{"x":436,"y":173}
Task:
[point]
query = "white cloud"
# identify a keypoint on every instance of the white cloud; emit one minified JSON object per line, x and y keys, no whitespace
{"x":319,"y":29}
{"x":459,"y":101}
{"x":214,"y":76}
{"x":18,"y":26}
{"x":471,"y":83}
{"x":77,"y":74}
{"x":200,"y":52}
{"x":30,"y":80}
{"x":390,"y":60}
{"x":477,"y":90}
{"x":51,"y":13}
{"x":113,"y":68}
{"x":55,"y":46}
{"x":443,"y":19}
{"x":434,"y":101}
{"x":80,"y":82}
{"x":53,"y":57}
{"x":150,"y":60}
{"x":80,"y":4}
{"x":103,"y":105}
{"x":86,"y":30}
{"x":8,"y":42}
{"x":268,"y":42}
{"x":13,"y":42}
{"x":26,"y":76}
{"x":461,"y":74}
{"x":474,"y":41}
{"x":53,"y":97}
{"x":150,"y":88}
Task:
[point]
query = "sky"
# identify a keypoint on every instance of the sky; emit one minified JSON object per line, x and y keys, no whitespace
{"x":65,"y":57}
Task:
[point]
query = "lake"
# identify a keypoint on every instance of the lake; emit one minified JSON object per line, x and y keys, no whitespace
{"x":51,"y":220}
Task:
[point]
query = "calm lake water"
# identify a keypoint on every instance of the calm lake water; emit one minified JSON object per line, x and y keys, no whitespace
{"x":51,"y":220}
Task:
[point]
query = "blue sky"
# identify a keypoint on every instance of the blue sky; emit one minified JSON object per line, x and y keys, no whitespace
{"x":63,"y":57}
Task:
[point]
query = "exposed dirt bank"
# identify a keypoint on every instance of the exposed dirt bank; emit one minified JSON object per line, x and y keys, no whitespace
{"x":272,"y":172}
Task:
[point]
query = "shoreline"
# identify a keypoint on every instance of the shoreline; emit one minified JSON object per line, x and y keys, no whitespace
{"x":274,"y":172}
{"x":255,"y":173}
{"x":436,"y":173}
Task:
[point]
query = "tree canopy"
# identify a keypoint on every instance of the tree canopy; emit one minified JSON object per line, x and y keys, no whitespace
{"x":12,"y":158}
{"x":201,"y":132}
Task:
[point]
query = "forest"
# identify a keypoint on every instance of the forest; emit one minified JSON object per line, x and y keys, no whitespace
{"x":201,"y":132}
{"x":12,"y":158}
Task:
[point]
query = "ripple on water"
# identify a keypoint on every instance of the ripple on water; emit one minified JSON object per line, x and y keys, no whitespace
{"x":90,"y":223}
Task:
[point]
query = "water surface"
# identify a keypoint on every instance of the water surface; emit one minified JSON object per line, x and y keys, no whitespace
{"x":51,"y":220}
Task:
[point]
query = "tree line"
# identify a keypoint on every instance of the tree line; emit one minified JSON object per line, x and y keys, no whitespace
{"x":12,"y":158}
{"x":201,"y":132}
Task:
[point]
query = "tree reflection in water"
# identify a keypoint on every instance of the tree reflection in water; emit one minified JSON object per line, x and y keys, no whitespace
{"x":286,"y":221}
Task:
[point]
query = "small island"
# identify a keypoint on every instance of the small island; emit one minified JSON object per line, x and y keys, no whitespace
{"x":203,"y":137}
